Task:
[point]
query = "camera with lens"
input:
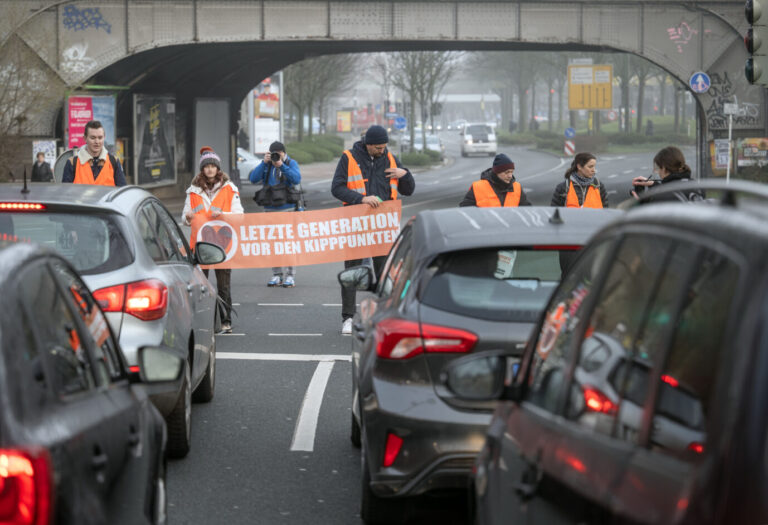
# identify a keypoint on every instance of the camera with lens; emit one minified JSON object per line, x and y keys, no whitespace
{"x":274,"y":156}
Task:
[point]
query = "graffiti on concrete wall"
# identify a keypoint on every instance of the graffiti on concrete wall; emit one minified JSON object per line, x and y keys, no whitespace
{"x":76,"y":19}
{"x":683,"y":34}
{"x":75,"y":59}
{"x":723,"y":92}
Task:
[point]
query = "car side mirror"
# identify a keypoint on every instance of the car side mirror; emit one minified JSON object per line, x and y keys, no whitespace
{"x":480,"y":377}
{"x":159,"y":364}
{"x":358,"y":278}
{"x":207,"y":253}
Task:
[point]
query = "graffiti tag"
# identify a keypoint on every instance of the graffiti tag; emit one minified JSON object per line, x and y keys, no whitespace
{"x":681,"y":35}
{"x":76,"y":19}
{"x":722,"y":92}
{"x":75,"y":59}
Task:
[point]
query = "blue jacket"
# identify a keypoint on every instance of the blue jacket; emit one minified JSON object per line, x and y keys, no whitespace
{"x":266,"y":173}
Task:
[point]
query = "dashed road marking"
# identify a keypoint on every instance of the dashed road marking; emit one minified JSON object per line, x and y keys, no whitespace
{"x":251,"y":356}
{"x":611,"y":192}
{"x":628,"y":171}
{"x":613,"y":176}
{"x":280,"y":304}
{"x":294,"y":335}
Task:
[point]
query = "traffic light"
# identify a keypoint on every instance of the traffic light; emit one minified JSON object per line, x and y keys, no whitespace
{"x":756,"y":41}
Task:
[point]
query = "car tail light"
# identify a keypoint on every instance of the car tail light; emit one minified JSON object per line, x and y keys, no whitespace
{"x":696,"y":447}
{"x":402,"y":339}
{"x":26,"y":487}
{"x":21,"y":206}
{"x":597,"y":401}
{"x":392,"y":449}
{"x":671,"y":381}
{"x":147,"y":300}
{"x":558,"y":247}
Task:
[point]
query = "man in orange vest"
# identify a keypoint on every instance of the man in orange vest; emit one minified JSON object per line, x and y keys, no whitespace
{"x":368,"y":174}
{"x":93,"y":164}
{"x":497,"y":187}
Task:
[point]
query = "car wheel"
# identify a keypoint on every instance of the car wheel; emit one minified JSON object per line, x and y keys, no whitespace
{"x":179,"y":421}
{"x":354,"y":433}
{"x":204,"y":391}
{"x":375,"y":510}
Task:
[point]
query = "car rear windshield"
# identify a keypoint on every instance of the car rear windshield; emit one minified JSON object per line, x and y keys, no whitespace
{"x":479,"y":130}
{"x":92,"y":242}
{"x":507,"y":284}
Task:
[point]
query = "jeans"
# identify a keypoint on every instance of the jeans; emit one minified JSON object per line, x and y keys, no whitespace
{"x":223,"y":283}
{"x":280,"y":270}
{"x":348,"y":295}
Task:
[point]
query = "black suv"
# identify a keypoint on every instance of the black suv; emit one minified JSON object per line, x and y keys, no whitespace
{"x":641,"y":398}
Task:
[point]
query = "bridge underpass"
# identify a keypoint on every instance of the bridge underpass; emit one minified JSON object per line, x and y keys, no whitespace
{"x":209,"y":48}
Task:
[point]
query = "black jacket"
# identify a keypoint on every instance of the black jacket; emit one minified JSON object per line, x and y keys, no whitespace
{"x":500,"y":188}
{"x":42,"y":172}
{"x":376,"y":181}
{"x":682,"y":176}
{"x":560,"y":196}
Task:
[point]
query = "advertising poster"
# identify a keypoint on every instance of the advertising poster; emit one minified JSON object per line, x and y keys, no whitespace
{"x":343,"y":121}
{"x":266,"y":114}
{"x":119,"y":152}
{"x":48,"y":147}
{"x":81,"y":109}
{"x":752,"y":152}
{"x":154,"y":124}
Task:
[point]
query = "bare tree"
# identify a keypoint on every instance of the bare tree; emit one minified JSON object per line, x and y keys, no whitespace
{"x":643,"y":70}
{"x":408,"y":74}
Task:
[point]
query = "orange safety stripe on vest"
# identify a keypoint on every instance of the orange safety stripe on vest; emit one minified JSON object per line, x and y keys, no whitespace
{"x":485,"y":197}
{"x":84,"y":173}
{"x":591,"y":200}
{"x":356,"y":182}
{"x":222,"y":202}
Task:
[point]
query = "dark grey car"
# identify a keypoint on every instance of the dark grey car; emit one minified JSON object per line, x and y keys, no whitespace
{"x":456,"y":281}
{"x":676,"y":429}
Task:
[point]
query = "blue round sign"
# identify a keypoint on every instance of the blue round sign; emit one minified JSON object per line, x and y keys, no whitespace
{"x":400,"y":123}
{"x":570,"y":133}
{"x":700,"y":82}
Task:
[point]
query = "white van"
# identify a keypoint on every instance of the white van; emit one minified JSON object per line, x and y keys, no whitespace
{"x":478,"y":138}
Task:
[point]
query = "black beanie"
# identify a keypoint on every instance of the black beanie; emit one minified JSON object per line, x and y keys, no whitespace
{"x":276,"y":146}
{"x":502,"y":163}
{"x":376,"y":135}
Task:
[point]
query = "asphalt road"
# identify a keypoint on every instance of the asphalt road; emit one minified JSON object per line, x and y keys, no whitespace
{"x":273,"y":446}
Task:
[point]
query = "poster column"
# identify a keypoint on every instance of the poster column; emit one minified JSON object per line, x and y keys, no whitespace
{"x":154,"y":125}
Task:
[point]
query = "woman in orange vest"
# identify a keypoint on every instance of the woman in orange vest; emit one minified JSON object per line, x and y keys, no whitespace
{"x":581,"y":189}
{"x":497,"y":187}
{"x":211,"y":194}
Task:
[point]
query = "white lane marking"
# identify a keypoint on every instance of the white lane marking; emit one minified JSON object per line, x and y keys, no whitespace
{"x":280,"y":304}
{"x":329,"y":202}
{"x":249,"y":356}
{"x":611,"y":192}
{"x":228,"y":334}
{"x":457,"y":177}
{"x":562,"y":162}
{"x":613,"y":176}
{"x":235,"y":304}
{"x":628,"y":171}
{"x":420,"y":203}
{"x":295,"y":335}
{"x":324,"y":181}
{"x":331,"y":304}
{"x":306,"y":426}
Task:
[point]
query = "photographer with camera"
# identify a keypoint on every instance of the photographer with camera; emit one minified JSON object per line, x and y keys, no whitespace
{"x":279,"y":174}
{"x":669,"y":164}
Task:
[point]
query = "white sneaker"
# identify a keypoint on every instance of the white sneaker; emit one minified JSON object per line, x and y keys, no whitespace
{"x":346,"y":327}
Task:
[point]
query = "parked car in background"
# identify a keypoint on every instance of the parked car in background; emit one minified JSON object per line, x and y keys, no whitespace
{"x":478,"y":138}
{"x":641,"y":396}
{"x":79,"y":440}
{"x":246,"y":161}
{"x":146,"y":279}
{"x":433,"y":143}
{"x":456,"y":282}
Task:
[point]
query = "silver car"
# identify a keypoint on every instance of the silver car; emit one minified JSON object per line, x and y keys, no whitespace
{"x":132,"y":253}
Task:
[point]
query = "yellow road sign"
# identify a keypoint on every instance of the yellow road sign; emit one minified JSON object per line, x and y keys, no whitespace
{"x":590,"y":87}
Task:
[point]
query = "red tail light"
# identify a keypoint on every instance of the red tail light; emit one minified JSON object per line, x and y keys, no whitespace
{"x":402,"y":339}
{"x":392,"y":449}
{"x":671,"y":381}
{"x":147,"y":300}
{"x":596,"y":401}
{"x":696,"y":447}
{"x":21,"y":206}
{"x":26,"y":487}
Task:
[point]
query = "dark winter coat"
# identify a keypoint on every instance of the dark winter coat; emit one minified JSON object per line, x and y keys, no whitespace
{"x":500,"y":188}
{"x":681,"y":176}
{"x":560,"y":195}
{"x":42,"y":172}
{"x":376,"y":181}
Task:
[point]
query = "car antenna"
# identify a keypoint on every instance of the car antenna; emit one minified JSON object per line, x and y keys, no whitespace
{"x":25,"y":189}
{"x":556,"y":219}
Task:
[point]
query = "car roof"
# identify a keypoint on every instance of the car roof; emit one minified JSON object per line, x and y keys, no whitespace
{"x":73,"y":194}
{"x":452,"y":229}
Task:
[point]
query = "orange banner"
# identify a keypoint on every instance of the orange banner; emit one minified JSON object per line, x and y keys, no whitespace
{"x":264,"y":240}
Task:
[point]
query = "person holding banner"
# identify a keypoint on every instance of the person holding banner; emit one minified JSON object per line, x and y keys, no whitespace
{"x":92,"y":164}
{"x":368,"y":174}
{"x":210,"y":195}
{"x":278,"y":170}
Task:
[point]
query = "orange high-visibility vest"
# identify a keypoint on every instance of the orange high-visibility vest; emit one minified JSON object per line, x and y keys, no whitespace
{"x":222,"y":203}
{"x":356,"y":182}
{"x":485,"y":197}
{"x":591,"y":199}
{"x":84,"y":173}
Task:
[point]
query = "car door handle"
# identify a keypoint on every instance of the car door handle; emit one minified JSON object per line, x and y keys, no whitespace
{"x":190,"y":289}
{"x":133,"y":436}
{"x":99,"y":459}
{"x":203,"y":289}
